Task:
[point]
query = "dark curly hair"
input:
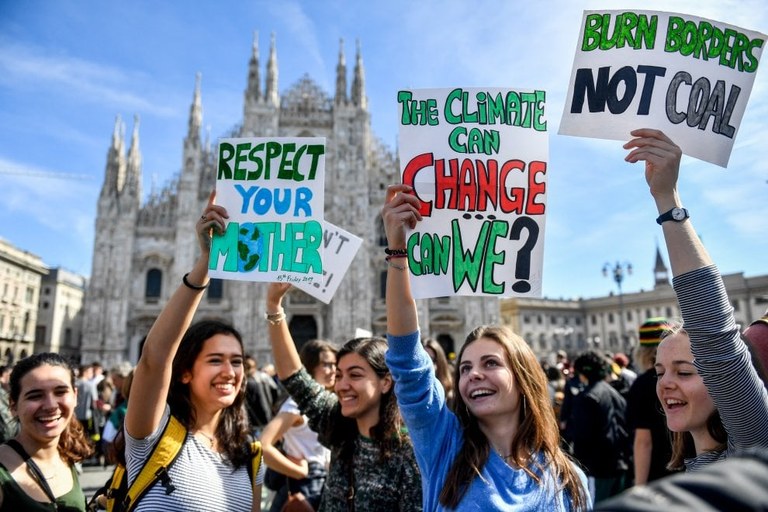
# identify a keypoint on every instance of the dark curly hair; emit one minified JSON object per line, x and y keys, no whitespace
{"x":592,"y":365}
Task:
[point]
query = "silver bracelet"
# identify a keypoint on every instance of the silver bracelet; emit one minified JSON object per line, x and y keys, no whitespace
{"x":275,"y":318}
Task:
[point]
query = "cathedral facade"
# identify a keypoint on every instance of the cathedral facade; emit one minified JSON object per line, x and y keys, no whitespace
{"x":143,"y":246}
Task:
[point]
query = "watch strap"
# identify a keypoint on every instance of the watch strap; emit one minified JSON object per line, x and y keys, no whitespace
{"x":668,"y":215}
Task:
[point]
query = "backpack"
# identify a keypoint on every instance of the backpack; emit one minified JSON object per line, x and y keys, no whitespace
{"x":117,"y":496}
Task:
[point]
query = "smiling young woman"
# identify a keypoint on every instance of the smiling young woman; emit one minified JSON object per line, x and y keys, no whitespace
{"x":359,"y":422}
{"x":193,"y":372}
{"x":714,"y":400}
{"x":501,"y":447}
{"x":37,"y":466}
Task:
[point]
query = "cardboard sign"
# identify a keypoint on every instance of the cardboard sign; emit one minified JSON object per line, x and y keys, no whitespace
{"x":340,"y":248}
{"x":687,"y":76}
{"x":477,"y":159}
{"x":273,"y":190}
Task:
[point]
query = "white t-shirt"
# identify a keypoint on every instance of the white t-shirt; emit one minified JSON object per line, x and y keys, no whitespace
{"x":301,"y":441}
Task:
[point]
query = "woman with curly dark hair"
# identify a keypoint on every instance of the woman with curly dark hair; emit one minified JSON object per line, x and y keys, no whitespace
{"x":194,"y":374}
{"x":372,"y":463}
{"x":37,"y":467}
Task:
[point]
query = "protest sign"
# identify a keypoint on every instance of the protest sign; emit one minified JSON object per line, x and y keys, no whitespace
{"x":687,"y":76}
{"x":340,"y":248}
{"x":273,"y":190}
{"x":477,"y":159}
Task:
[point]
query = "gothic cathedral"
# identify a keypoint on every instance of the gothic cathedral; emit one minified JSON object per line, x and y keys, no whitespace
{"x":142,"y":247}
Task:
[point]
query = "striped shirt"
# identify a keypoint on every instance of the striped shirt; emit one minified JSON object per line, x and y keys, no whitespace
{"x":204,"y":479}
{"x":723,"y":361}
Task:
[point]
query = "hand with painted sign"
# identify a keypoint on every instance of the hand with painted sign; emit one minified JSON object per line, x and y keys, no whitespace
{"x":690,"y":77}
{"x":476,"y":159}
{"x":273,"y":191}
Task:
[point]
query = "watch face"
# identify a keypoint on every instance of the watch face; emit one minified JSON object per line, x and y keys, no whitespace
{"x":678,"y":214}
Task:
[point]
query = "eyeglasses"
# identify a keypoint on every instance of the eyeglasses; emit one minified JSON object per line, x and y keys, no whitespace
{"x":328,"y":366}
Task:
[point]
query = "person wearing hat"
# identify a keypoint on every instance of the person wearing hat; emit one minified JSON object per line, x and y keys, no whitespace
{"x":652,"y":448}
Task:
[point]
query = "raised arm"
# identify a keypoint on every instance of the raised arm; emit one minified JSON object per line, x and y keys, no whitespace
{"x":662,"y":164}
{"x":272,"y":433}
{"x":152,"y":376}
{"x":401,"y":209}
{"x":287,"y":361}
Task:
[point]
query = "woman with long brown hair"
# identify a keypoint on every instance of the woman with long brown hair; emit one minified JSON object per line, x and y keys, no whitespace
{"x":193,"y":373}
{"x":500,"y":450}
{"x":37,"y":466}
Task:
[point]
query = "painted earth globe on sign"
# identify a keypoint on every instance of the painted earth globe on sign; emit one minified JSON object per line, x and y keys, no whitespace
{"x":249,"y":247}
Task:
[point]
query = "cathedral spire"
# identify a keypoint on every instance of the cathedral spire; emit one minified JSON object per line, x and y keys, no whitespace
{"x":358,"y":82}
{"x":270,"y":94}
{"x":253,"y":92}
{"x":195,"y":114}
{"x":114,"y":173}
{"x":133,"y":177}
{"x":660,"y":272}
{"x":341,"y":76}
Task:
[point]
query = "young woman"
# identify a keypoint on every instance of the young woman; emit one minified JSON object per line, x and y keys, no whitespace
{"x":713,"y":399}
{"x":194,"y":373}
{"x":305,"y":460}
{"x":500,"y":449}
{"x":37,"y":466}
{"x":372,"y":463}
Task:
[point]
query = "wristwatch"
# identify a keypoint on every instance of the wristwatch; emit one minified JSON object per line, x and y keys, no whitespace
{"x":676,"y":214}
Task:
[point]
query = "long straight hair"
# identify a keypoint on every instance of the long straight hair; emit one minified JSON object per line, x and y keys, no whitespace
{"x":232,"y":431}
{"x":536,"y":446}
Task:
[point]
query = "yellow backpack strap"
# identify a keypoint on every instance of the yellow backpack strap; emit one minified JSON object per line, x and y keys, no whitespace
{"x":256,"y":459}
{"x":163,"y":456}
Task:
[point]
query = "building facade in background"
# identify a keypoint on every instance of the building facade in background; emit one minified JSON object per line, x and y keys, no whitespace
{"x":20,"y":277}
{"x":576,"y":325}
{"x":60,"y":314}
{"x":142,"y":248}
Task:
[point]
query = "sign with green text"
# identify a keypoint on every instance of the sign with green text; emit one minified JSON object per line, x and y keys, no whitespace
{"x":687,"y":76}
{"x":477,"y":159}
{"x":273,"y":190}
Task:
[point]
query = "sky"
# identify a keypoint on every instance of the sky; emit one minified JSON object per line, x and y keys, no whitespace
{"x":68,"y":68}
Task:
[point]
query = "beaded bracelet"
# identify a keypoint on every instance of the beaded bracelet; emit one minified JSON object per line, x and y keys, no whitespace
{"x":394,"y":252}
{"x":195,"y":287}
{"x":393,"y":256}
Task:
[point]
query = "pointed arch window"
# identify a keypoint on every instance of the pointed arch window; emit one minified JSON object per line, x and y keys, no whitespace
{"x":154,"y":285}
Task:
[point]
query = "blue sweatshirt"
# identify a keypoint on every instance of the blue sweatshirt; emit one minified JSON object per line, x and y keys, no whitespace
{"x":437,"y":438}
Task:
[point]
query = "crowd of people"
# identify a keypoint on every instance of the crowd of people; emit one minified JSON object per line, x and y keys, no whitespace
{"x":389,"y":423}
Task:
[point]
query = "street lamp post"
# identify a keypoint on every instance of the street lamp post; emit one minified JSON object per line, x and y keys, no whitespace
{"x":618,"y":272}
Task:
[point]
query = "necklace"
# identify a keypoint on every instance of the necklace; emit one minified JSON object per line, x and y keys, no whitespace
{"x":210,"y":439}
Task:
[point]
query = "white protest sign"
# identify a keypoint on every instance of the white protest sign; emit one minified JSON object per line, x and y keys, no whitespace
{"x":477,"y":159}
{"x":273,"y":190}
{"x":340,"y":248}
{"x":687,"y":76}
